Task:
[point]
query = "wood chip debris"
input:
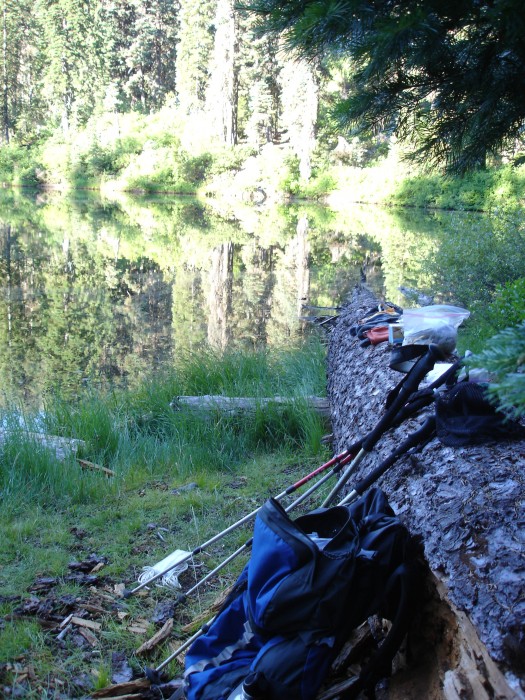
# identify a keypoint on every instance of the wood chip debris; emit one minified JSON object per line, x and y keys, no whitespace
{"x":88,"y":636}
{"x":157,"y":638}
{"x":119,"y":589}
{"x":122,"y":690}
{"x":139,"y":626}
{"x":81,"y":622}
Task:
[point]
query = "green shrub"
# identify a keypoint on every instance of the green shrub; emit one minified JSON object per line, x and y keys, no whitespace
{"x":319,"y":186}
{"x":195,"y":169}
{"x":504,"y":357}
{"x":290,"y":183}
{"x":20,"y":166}
{"x":230,"y":159}
{"x":508,"y":307}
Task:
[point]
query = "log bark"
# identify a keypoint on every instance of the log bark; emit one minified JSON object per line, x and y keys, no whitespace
{"x":466,"y":506}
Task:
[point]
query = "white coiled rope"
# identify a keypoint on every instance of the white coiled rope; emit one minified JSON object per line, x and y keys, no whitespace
{"x":171,"y":578}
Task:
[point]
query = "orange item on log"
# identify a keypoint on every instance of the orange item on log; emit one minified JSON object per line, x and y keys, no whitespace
{"x":377,"y":335}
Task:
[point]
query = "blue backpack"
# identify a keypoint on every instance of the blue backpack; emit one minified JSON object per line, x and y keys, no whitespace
{"x":308,"y":583}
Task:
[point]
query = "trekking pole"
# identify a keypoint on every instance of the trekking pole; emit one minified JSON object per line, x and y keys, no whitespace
{"x":181,"y":598}
{"x":425,"y":432}
{"x":412,"y":380}
{"x":336,"y":462}
{"x":417,"y":437}
{"x":152,"y":673}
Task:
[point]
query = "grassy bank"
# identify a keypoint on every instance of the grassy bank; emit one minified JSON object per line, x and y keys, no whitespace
{"x":179,"y":479}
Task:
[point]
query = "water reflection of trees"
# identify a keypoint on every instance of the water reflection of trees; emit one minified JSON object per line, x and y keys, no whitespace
{"x":254,"y":289}
{"x":458,"y":257}
{"x":220,"y":300}
{"x":98,"y":292}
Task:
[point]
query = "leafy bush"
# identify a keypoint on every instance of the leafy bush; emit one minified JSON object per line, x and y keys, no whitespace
{"x":194,"y":169}
{"x":230,"y":159}
{"x":319,"y":186}
{"x":20,"y":166}
{"x":479,"y":191}
{"x":508,"y":307}
{"x":290,"y":183}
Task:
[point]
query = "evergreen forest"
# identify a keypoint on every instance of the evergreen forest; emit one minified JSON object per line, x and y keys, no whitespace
{"x":158,"y":93}
{"x":180,"y":96}
{"x":417,"y":103}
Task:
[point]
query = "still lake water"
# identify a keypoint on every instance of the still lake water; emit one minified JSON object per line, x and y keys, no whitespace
{"x":100,"y":291}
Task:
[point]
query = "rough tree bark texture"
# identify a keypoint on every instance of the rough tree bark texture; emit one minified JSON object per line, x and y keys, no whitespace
{"x":466,"y":505}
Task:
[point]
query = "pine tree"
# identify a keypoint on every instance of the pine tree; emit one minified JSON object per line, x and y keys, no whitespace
{"x":72,"y":62}
{"x":140,"y":41}
{"x":223,"y":89}
{"x":194,"y":50}
{"x":448,"y":75}
{"x":259,"y":86}
{"x":22,"y":105}
{"x":504,"y":358}
{"x":300,"y":107}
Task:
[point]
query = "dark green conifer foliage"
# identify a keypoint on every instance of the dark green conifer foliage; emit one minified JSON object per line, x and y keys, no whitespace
{"x":140,"y":49}
{"x":448,"y":75}
{"x":22,"y":103}
{"x":196,"y":35}
{"x":73,"y":61}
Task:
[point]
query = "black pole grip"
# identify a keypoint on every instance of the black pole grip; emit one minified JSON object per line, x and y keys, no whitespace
{"x":450,"y":372}
{"x":423,"y":433}
{"x":422,"y":367}
{"x":411,"y":383}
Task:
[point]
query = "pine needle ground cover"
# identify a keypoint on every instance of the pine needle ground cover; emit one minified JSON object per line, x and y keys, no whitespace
{"x":72,"y":539}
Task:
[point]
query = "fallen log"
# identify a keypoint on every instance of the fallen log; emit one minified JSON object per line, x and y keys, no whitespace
{"x":466,"y":507}
{"x":63,"y":447}
{"x":234,"y":404}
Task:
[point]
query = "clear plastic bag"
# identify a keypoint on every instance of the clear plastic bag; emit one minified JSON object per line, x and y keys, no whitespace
{"x":437,"y":324}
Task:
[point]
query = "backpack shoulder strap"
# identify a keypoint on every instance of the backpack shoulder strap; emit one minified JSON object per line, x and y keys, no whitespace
{"x":400,"y":591}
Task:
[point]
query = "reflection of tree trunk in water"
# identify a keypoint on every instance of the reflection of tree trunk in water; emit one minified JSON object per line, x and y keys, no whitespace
{"x":220,"y":296}
{"x":7,"y":229}
{"x":266,"y":264}
{"x":68,"y":270}
{"x":302,"y":268}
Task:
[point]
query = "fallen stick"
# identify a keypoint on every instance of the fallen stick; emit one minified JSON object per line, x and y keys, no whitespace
{"x":95,"y":467}
{"x":90,"y":624}
{"x":157,"y":638}
{"x":122,"y":689}
{"x":136,"y":689}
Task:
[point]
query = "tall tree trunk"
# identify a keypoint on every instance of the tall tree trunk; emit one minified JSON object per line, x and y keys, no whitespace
{"x":223,"y":91}
{"x":5,"y":86}
{"x":194,"y":51}
{"x":67,"y":103}
{"x":300,"y":99}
